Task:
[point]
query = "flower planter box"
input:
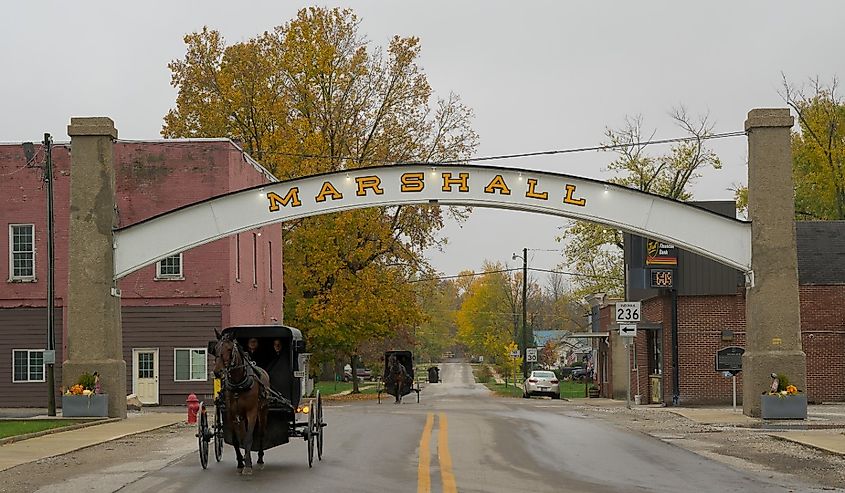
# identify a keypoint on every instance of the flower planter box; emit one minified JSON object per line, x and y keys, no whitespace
{"x":783,"y":407}
{"x":95,"y":405}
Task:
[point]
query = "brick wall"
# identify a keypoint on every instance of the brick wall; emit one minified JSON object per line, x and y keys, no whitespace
{"x":151,"y":178}
{"x":701,"y":320}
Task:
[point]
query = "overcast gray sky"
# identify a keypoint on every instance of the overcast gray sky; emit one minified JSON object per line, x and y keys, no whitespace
{"x":539,"y":76}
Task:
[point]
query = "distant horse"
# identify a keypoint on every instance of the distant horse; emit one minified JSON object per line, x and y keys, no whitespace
{"x":397,"y":375}
{"x":245,"y":388}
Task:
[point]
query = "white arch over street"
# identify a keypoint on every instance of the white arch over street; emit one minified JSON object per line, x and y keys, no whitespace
{"x":722,"y":239}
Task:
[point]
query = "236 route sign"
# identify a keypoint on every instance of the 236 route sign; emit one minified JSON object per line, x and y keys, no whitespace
{"x":628,"y":311}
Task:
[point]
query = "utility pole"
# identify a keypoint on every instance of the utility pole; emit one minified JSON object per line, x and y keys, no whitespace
{"x":676,"y":371}
{"x":51,"y":284}
{"x":524,"y":322}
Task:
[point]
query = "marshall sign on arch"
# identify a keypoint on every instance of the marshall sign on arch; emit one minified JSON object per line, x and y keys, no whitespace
{"x":723,"y":239}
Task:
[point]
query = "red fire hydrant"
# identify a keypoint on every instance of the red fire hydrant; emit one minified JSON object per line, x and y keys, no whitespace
{"x":193,"y":407}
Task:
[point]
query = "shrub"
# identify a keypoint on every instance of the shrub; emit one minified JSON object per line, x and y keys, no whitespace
{"x":483,"y":374}
{"x":86,"y":380}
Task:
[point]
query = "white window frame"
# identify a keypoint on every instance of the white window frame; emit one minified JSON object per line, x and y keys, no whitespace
{"x":190,"y":363}
{"x":12,"y":276}
{"x":171,"y":277}
{"x":43,"y":366}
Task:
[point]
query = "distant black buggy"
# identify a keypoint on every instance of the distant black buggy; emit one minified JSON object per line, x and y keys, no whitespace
{"x":279,"y":359}
{"x":398,"y":379}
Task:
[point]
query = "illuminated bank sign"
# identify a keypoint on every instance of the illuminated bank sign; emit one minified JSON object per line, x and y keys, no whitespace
{"x":659,"y":253}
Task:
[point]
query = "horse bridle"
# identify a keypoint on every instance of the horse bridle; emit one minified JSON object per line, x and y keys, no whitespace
{"x":247,"y":381}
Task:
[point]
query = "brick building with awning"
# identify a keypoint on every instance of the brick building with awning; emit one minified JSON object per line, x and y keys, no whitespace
{"x":711,"y":316}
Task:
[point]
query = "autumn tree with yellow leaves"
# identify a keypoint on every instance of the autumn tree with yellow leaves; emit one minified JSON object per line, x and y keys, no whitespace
{"x":313,"y":95}
{"x":484,"y":320}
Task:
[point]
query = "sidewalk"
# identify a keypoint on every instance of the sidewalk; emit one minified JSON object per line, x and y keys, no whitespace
{"x":824,"y":428}
{"x":33,"y":449}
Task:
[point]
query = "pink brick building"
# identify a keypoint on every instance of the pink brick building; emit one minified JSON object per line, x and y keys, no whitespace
{"x":169,"y":309}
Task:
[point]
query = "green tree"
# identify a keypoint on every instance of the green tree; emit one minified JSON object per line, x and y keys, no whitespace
{"x":439,"y":300}
{"x":313,"y":95}
{"x":818,"y":150}
{"x":594,"y":251}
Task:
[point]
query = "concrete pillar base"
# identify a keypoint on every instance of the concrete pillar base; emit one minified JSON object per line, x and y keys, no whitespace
{"x":755,"y":383}
{"x":112,"y":380}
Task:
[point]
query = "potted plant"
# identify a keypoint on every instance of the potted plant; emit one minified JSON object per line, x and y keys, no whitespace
{"x":85,"y":398}
{"x":783,"y":400}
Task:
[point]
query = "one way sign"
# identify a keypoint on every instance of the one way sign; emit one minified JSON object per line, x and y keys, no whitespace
{"x":628,"y":330}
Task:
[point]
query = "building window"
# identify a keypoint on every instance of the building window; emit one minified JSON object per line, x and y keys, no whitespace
{"x":190,"y":365}
{"x":238,"y":257}
{"x":254,"y":260}
{"x":21,"y":252}
{"x":27,"y":365}
{"x":271,"y":266}
{"x":170,"y":267}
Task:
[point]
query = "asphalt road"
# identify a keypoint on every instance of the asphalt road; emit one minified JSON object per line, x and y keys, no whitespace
{"x":460,"y":438}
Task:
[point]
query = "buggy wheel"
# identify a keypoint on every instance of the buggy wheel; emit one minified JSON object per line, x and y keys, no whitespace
{"x":218,"y":433}
{"x":202,"y":436}
{"x":309,"y":437}
{"x":320,"y":426}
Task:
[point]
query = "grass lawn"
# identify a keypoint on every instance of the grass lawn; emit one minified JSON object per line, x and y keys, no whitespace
{"x":10,"y":428}
{"x":330,"y":388}
{"x":567,"y":389}
{"x":500,"y":389}
{"x":573,"y":389}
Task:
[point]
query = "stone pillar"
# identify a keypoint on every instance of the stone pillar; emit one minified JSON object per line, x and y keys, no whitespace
{"x":773,"y":320}
{"x":94,"y":333}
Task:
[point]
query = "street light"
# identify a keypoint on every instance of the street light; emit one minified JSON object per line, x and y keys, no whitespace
{"x":524,"y":258}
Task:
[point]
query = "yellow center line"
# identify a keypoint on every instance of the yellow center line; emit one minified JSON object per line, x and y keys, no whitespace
{"x":445,"y":457}
{"x":423,"y":473}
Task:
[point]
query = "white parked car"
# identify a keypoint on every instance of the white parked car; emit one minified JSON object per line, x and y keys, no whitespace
{"x":541,"y":383}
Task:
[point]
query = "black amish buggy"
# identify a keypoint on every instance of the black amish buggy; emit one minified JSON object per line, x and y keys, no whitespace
{"x":398,"y":379}
{"x":280,"y":360}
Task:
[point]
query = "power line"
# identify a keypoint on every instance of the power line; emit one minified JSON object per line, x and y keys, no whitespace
{"x":475,"y":274}
{"x":606,"y":147}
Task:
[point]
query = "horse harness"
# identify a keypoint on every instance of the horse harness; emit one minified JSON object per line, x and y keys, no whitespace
{"x":250,"y":368}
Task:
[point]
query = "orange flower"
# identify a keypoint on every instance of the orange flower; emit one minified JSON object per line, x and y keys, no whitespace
{"x":791,"y":389}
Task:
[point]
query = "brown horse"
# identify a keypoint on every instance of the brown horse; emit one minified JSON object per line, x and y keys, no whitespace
{"x":397,"y":376}
{"x":245,"y":388}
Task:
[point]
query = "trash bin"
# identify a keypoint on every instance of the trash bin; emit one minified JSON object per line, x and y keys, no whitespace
{"x":433,"y":374}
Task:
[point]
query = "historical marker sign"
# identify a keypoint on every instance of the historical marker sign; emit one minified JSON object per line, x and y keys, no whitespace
{"x":729,"y":359}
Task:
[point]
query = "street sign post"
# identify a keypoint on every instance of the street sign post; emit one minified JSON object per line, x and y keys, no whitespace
{"x":628,"y":312}
{"x":531,"y":355}
{"x":515,"y":353}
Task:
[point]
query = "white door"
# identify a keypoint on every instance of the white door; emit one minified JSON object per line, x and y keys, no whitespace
{"x":145,"y":375}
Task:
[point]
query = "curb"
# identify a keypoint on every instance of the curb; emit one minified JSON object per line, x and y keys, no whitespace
{"x":805,"y":444}
{"x":347,"y":398}
{"x":89,"y":445}
{"x":51,"y":431}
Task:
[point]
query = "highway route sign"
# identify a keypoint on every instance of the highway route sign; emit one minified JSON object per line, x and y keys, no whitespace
{"x":628,"y":311}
